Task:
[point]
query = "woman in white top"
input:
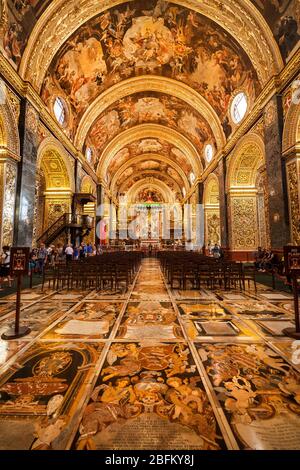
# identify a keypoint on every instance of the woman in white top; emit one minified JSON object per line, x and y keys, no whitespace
{"x":69,"y":252}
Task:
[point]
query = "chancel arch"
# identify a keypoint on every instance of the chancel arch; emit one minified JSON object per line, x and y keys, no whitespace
{"x":211,"y":200}
{"x":147,"y":163}
{"x":242,"y":178}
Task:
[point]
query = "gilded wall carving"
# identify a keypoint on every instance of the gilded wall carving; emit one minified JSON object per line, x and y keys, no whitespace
{"x":55,"y":208}
{"x":9,"y":203}
{"x":244,"y":222}
{"x":1,"y":199}
{"x":293,"y":185}
{"x":213,"y":229}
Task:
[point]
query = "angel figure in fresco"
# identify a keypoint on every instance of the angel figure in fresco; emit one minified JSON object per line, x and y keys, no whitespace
{"x":12,"y":43}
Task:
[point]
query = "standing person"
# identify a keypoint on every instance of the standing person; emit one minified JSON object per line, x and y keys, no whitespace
{"x":69,"y":253}
{"x":5,"y":265}
{"x":89,"y":249}
{"x":42,"y":257}
{"x":76,"y":252}
{"x":81,"y":252}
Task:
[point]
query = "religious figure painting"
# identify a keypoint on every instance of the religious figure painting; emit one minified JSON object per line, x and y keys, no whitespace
{"x":283,"y":17}
{"x":20,"y":21}
{"x":149,"y":107}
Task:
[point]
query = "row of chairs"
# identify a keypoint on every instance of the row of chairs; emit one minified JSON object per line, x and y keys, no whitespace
{"x":107,"y":271}
{"x":195,"y":271}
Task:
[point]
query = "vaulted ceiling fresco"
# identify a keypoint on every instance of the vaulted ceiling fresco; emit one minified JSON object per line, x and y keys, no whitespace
{"x":20,"y":18}
{"x":283,"y":17}
{"x":150,"y":37}
{"x":152,"y":148}
{"x":179,"y":69}
{"x":149,"y":107}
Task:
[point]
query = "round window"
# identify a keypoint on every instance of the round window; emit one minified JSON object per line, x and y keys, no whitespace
{"x":184,"y":192}
{"x":59,"y":109}
{"x":239,"y":107}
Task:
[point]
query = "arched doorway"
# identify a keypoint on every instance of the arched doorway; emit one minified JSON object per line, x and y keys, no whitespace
{"x":54,"y":187}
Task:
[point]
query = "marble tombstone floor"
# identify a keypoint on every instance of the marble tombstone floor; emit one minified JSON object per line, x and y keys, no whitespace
{"x":150,"y":369}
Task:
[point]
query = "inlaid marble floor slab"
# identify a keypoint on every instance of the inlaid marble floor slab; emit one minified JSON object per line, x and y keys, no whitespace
{"x":151,"y":368}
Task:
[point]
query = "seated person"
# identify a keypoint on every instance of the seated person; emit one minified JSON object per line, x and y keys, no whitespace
{"x":216,"y":251}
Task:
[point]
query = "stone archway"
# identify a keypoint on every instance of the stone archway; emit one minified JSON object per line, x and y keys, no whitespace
{"x":54,"y":186}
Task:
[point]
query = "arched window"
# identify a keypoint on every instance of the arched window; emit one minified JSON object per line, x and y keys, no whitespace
{"x":239,"y":107}
{"x":208,"y":153}
{"x":59,"y":109}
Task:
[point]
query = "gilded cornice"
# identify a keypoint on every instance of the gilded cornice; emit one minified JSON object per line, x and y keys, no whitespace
{"x":238,"y":17}
{"x":8,"y":155}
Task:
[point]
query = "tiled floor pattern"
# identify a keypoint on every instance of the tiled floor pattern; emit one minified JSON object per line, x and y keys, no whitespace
{"x":150,"y":369}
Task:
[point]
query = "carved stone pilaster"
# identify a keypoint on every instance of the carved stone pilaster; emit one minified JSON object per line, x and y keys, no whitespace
{"x":276,"y":178}
{"x":25,"y":203}
{"x":293,"y":181}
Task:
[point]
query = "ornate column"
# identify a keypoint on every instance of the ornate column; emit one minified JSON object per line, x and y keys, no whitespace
{"x":98,"y":211}
{"x":25,"y":201}
{"x":221,"y":173}
{"x":8,"y":184}
{"x":293,"y":183}
{"x":275,"y":169}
